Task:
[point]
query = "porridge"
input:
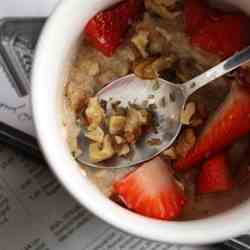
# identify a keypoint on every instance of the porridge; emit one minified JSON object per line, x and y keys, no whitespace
{"x":207,"y":170}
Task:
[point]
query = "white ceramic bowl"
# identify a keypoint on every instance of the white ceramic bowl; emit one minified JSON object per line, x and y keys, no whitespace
{"x":53,"y":54}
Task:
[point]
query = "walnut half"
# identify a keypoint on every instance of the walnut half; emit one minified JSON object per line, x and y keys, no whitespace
{"x":98,"y":152}
{"x":163,"y":8}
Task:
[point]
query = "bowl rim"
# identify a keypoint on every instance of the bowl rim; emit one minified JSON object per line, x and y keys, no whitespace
{"x":204,"y":231}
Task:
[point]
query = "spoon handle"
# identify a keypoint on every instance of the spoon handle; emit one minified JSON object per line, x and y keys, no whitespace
{"x":219,"y":70}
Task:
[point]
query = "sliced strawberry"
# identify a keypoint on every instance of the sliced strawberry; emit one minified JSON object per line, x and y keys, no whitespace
{"x":224,"y":35}
{"x":195,"y":15}
{"x":230,"y":122}
{"x":215,"y":176}
{"x":151,"y":190}
{"x":106,"y":30}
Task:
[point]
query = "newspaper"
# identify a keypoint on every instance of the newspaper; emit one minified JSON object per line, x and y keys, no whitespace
{"x":36,"y":213}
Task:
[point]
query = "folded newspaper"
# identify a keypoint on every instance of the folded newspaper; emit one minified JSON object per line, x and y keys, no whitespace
{"x":36,"y":213}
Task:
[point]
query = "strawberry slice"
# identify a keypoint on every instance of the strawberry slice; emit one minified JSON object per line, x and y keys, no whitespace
{"x":107,"y":29}
{"x":215,"y":176}
{"x":152,"y":191}
{"x":218,"y":36}
{"x":195,"y":15}
{"x":230,"y":122}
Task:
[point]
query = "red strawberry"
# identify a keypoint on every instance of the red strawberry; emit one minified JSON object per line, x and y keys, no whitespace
{"x":106,"y":30}
{"x":230,"y":122}
{"x":151,"y":190}
{"x":195,"y":15}
{"x":215,"y":176}
{"x":224,"y":36}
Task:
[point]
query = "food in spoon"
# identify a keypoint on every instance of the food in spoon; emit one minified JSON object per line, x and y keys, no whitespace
{"x":114,"y":132}
{"x":202,"y":173}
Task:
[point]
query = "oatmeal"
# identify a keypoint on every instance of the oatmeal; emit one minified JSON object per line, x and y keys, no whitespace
{"x":206,"y":171}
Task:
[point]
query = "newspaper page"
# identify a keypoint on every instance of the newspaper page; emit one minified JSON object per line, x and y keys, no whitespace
{"x":15,"y":110}
{"x":36,"y":213}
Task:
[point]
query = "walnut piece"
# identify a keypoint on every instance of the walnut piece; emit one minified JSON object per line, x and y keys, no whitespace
{"x":170,"y":153}
{"x":119,"y":140}
{"x":98,"y":153}
{"x":124,"y":150}
{"x":140,"y":40}
{"x":151,"y":67}
{"x":96,"y":135}
{"x":94,"y":113}
{"x":144,"y":70}
{"x":117,"y":124}
{"x":163,"y":8}
{"x":185,"y":142}
{"x":135,"y":120}
{"x":187,"y":113}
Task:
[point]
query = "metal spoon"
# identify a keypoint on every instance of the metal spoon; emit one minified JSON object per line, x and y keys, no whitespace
{"x":132,"y":89}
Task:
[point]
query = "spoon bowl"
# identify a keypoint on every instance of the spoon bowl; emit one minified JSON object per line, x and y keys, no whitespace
{"x":131,"y":89}
{"x":167,"y":98}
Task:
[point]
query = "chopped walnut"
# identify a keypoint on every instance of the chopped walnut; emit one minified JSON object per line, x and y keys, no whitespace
{"x":78,"y":100}
{"x":151,"y":67}
{"x":140,"y":40}
{"x":117,"y":124}
{"x":94,"y":113}
{"x":119,"y":140}
{"x":78,"y":94}
{"x":163,"y":8}
{"x":144,"y":70}
{"x":157,"y":43}
{"x":111,"y":133}
{"x":96,"y":135}
{"x":200,"y":115}
{"x":187,"y":113}
{"x":185,"y":142}
{"x":124,"y":150}
{"x":170,"y":153}
{"x":98,"y":152}
{"x":164,"y":62}
{"x":135,"y":120}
